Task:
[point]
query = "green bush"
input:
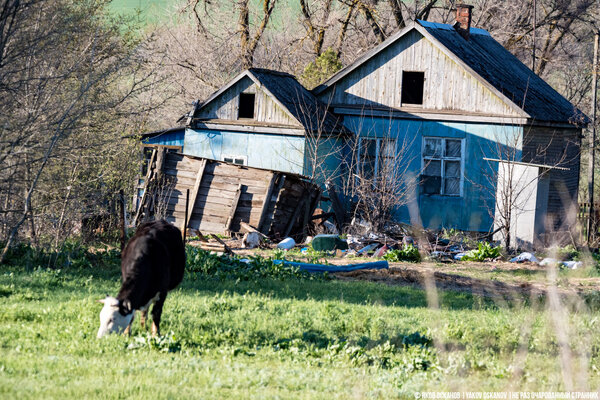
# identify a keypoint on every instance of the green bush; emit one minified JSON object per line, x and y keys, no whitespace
{"x":72,"y":254}
{"x":483,"y":252}
{"x":408,"y":252}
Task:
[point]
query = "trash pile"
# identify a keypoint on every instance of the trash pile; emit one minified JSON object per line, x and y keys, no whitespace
{"x":548,"y":261}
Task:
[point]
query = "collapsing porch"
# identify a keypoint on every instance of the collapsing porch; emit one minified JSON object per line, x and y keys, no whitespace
{"x":220,"y":196}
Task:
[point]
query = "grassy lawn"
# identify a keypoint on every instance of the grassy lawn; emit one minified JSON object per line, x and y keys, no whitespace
{"x":282,"y":338}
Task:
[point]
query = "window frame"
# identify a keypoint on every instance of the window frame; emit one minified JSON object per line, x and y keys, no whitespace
{"x":244,"y":159}
{"x":378,"y":145}
{"x":443,"y":158}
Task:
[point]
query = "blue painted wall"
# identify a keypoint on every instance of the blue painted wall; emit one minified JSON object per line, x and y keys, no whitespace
{"x":471,"y":211}
{"x":323,"y":159}
{"x":167,"y":139}
{"x":277,"y":152}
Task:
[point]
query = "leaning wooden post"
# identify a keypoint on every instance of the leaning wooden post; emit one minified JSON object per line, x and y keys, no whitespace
{"x":185,"y":220}
{"x":123,"y":236}
{"x":590,"y":221}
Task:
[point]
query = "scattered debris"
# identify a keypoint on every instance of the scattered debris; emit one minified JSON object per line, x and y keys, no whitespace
{"x":571,"y":264}
{"x":525,"y":257}
{"x":381,"y":251}
{"x":328,"y":243}
{"x":460,"y":256}
{"x":549,"y":261}
{"x":251,"y":240}
{"x":334,"y":268}
{"x":286,"y":244}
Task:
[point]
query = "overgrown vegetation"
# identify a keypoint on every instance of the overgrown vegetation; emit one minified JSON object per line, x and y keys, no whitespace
{"x":203,"y":264}
{"x":484,"y":251}
{"x":277,"y":336}
{"x":408,"y":252}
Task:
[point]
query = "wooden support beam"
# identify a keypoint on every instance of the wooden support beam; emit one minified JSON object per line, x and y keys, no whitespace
{"x":185,"y":219}
{"x":160,"y":160}
{"x":196,"y":188}
{"x":250,"y":228}
{"x":338,"y":208}
{"x":306,"y":217}
{"x":292,"y":220}
{"x":266,"y":203}
{"x":146,"y":184}
{"x":266,"y":226}
{"x":234,"y":204}
{"x":218,"y":239}
{"x":324,"y":216}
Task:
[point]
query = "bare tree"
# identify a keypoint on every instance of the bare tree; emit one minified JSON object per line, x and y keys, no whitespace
{"x":65,"y":71}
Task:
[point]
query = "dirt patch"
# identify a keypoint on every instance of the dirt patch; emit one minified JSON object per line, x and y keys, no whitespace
{"x":425,"y":277}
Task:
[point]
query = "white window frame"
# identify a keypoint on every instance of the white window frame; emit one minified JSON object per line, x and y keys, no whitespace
{"x":426,"y":159}
{"x":243,"y":158}
{"x":378,"y":143}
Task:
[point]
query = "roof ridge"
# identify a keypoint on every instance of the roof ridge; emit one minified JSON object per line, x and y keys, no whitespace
{"x":271,"y":71}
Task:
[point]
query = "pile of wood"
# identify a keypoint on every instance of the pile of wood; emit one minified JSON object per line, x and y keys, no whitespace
{"x":217,"y":197}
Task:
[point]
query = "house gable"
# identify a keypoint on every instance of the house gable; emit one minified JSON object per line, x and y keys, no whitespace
{"x":448,"y":86}
{"x":224,"y":105}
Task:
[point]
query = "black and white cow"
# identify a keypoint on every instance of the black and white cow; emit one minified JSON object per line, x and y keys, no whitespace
{"x":151,"y":264}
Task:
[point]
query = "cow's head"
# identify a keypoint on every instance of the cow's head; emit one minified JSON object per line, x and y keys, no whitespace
{"x":115,"y":316}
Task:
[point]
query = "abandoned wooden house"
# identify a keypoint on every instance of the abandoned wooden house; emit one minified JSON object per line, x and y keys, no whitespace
{"x":448,"y":98}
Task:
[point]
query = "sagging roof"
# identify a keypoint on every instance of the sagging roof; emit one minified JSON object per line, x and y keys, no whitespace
{"x":300,"y":103}
{"x":493,"y":65}
{"x":155,"y":133}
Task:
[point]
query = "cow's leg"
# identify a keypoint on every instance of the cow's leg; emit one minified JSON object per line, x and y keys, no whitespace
{"x":156,"y":313}
{"x":127,"y":330}
{"x":143,"y":317}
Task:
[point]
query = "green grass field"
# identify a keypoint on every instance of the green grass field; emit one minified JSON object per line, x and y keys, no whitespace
{"x":283,"y":337}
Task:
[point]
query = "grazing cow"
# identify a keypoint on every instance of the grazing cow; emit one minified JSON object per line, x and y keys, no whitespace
{"x":151,"y":264}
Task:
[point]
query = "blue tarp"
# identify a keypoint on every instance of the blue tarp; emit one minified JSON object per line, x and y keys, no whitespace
{"x":335,"y":268}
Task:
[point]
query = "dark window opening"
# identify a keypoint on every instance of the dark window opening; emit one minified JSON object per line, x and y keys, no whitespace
{"x":235,"y":160}
{"x":246,"y":109}
{"x":412,"y":87}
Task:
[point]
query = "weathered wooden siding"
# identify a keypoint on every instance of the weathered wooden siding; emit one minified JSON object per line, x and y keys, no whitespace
{"x":277,"y":152}
{"x":217,"y":193}
{"x":265,"y":110}
{"x":448,"y":86}
{"x":560,"y":148}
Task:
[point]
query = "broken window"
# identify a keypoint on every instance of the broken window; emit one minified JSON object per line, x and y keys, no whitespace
{"x":412,"y":87}
{"x":239,"y":160}
{"x":246,"y":106}
{"x":442,"y":166}
{"x":375,"y":156}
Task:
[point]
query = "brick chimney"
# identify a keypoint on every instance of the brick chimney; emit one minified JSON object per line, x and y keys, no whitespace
{"x":463,"y":19}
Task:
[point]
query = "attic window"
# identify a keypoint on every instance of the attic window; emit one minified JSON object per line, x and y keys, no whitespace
{"x":246,"y":106}
{"x":412,"y":87}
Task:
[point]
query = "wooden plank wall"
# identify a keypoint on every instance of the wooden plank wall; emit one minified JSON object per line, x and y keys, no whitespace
{"x":217,"y":191}
{"x":265,"y":110}
{"x":447,"y":85}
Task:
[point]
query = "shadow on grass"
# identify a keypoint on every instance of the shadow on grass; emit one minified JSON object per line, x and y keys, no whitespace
{"x":335,"y":290}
